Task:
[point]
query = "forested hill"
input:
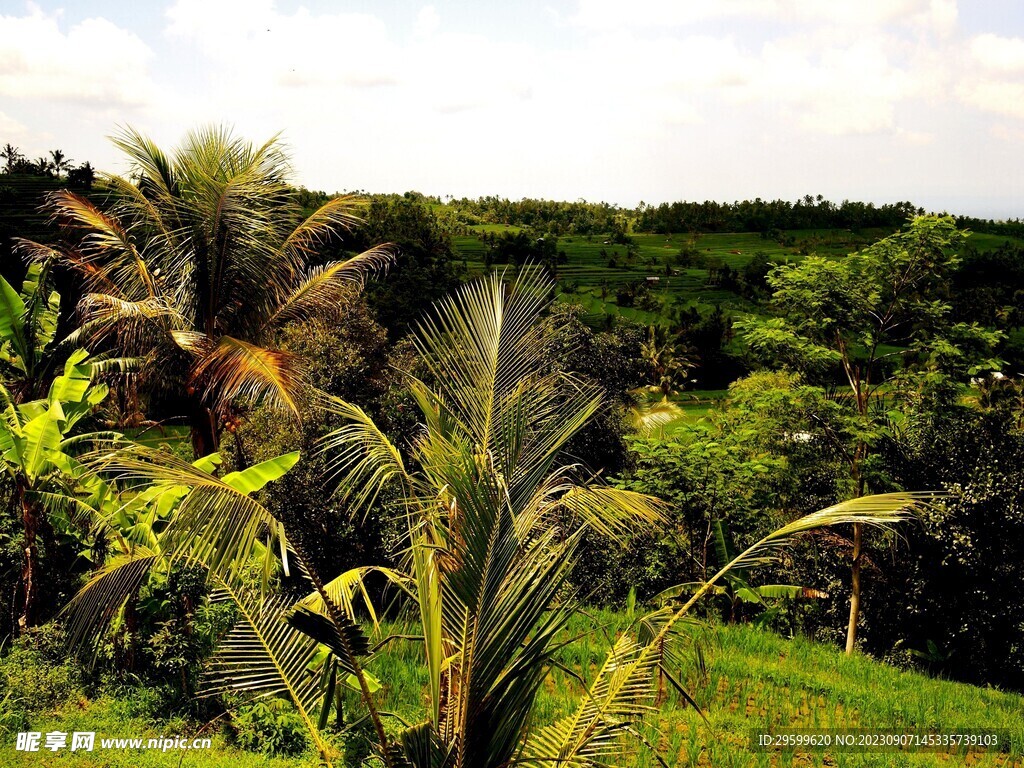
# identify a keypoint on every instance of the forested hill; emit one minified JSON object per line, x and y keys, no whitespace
{"x":810,"y":212}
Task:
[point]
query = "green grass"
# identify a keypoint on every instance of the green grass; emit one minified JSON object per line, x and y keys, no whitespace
{"x":750,"y":679}
{"x":754,"y":679}
{"x":109,"y":717}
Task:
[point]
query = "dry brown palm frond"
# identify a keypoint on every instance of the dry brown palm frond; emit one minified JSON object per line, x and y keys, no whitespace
{"x":237,"y":370}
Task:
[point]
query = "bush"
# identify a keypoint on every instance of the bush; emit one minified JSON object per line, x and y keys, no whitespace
{"x":270,"y":726}
{"x":37,"y":675}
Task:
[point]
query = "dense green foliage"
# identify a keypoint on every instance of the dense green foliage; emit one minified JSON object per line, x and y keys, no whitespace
{"x":422,"y":485}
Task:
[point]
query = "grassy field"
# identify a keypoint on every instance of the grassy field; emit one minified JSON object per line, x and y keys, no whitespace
{"x":752,"y":679}
{"x":748,"y":680}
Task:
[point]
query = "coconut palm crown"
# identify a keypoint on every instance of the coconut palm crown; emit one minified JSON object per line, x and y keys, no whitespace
{"x":194,"y":263}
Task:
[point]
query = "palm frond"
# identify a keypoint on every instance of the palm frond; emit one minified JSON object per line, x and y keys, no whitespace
{"x":263,"y":655}
{"x":106,"y":244}
{"x":362,"y":457}
{"x":149,"y":161}
{"x":322,"y":287}
{"x":344,"y":588}
{"x":593,"y":735}
{"x":94,"y":606}
{"x":336,"y":215}
{"x":613,"y":512}
{"x":646,"y":417}
{"x":215,"y":523}
{"x":236,"y":369}
{"x":481,"y":343}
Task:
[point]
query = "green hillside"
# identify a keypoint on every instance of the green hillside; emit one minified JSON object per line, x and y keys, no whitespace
{"x":744,"y":679}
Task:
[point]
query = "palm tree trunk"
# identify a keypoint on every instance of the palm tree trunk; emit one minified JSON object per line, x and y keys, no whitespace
{"x":336,"y":616}
{"x":203,"y":426}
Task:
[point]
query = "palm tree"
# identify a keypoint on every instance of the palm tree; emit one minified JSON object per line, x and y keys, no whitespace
{"x":668,"y":360}
{"x":495,"y":518}
{"x":494,"y":523}
{"x":200,"y":258}
{"x":11,"y":156}
{"x":41,"y":166}
{"x":59,"y":162}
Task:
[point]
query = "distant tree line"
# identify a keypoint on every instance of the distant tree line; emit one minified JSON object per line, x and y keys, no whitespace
{"x":1007,"y":228}
{"x":558,"y":218}
{"x":57,"y":166}
{"x":770,"y":215}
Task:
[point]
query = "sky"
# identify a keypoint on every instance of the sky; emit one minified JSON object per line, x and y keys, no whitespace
{"x":613,"y":100}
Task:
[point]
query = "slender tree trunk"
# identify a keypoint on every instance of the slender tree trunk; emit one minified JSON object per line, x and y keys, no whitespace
{"x":30,"y":567}
{"x":851,"y":629}
{"x":337,"y":617}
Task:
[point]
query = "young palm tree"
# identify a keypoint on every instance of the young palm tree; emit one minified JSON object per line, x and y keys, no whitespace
{"x":494,"y":521}
{"x":200,"y":257}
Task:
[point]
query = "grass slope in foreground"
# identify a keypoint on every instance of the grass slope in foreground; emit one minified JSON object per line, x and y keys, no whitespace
{"x":750,"y":679}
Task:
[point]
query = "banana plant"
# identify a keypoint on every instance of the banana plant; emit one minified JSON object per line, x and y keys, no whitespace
{"x":39,"y":453}
{"x":184,"y":512}
{"x":28,"y":323}
{"x":145,"y":527}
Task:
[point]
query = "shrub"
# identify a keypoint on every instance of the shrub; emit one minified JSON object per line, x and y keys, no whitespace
{"x":270,"y":726}
{"x":37,"y":674}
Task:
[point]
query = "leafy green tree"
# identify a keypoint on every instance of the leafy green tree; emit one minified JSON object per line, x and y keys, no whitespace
{"x":348,"y":358}
{"x":953,"y":598}
{"x":609,"y":360}
{"x":859,"y":312}
{"x":424,"y":269}
{"x":83,"y":176}
{"x":197,"y":263}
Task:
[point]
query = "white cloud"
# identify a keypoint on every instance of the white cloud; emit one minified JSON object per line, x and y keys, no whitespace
{"x":12,"y":130}
{"x":94,"y":61}
{"x":837,"y":90}
{"x":613,"y":99}
{"x":993,"y":75}
{"x":1008,"y":133}
{"x":259,"y":44}
{"x":999,"y":54}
